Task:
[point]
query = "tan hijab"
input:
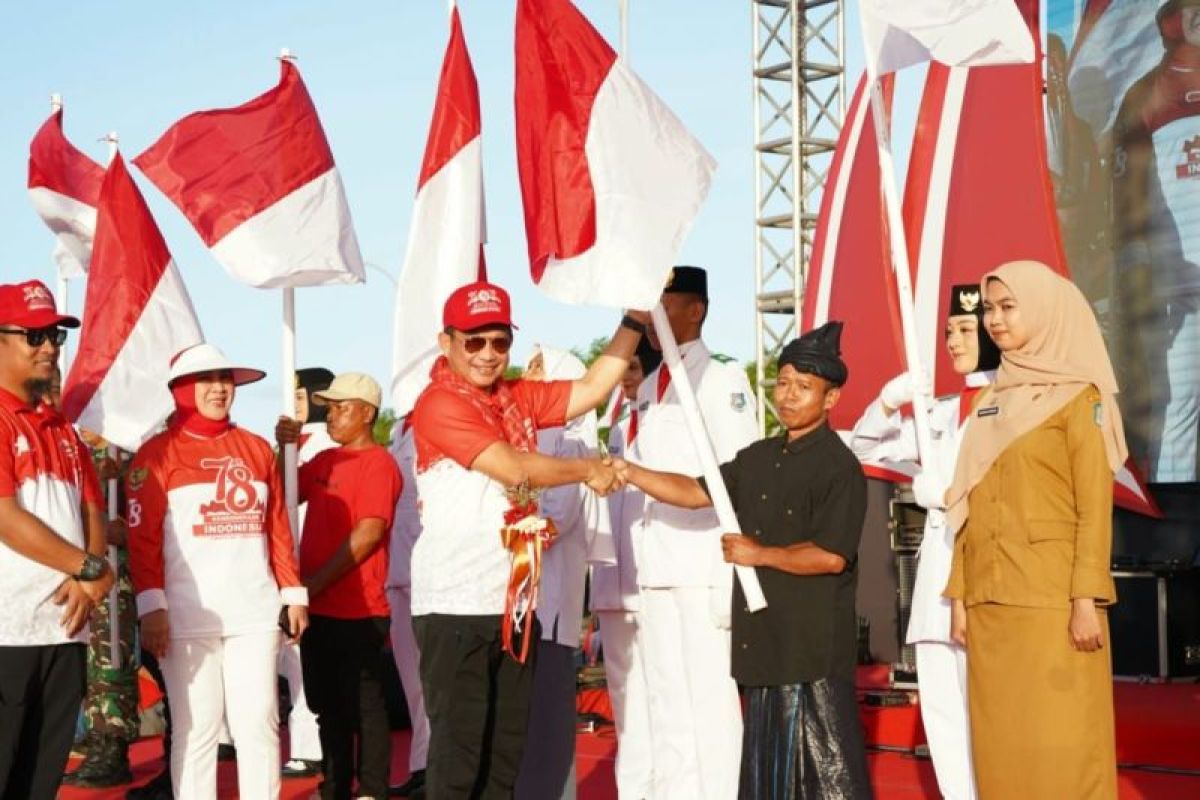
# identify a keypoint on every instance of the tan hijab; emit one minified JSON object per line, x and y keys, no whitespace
{"x":1064,"y":355}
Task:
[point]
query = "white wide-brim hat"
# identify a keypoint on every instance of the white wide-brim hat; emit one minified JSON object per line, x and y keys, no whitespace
{"x":203,"y":358}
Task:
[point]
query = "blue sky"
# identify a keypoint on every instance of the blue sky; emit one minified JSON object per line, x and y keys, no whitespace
{"x":371,"y":66}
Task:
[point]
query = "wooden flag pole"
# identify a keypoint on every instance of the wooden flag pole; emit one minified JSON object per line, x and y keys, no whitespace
{"x":114,"y":598}
{"x":899,"y":253}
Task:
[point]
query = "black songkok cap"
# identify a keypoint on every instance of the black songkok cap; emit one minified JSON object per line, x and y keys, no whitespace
{"x":967,"y":300}
{"x":314,"y":379}
{"x":692,"y":280}
{"x":819,"y":353}
{"x":646,"y":354}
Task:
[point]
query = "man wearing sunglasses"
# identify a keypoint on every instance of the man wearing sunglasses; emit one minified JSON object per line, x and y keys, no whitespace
{"x":52,"y":537}
{"x":476,"y":438}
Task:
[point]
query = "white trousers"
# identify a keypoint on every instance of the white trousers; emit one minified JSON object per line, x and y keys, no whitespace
{"x":218,"y":678}
{"x":304,"y":739}
{"x":626,"y":677}
{"x":942,"y":686}
{"x":408,"y":660}
{"x":695,"y":715}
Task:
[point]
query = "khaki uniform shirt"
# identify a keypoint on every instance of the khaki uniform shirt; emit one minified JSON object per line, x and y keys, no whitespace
{"x":1039,"y":532}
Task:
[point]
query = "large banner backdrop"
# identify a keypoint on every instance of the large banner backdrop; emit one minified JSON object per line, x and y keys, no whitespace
{"x":1123,"y":129}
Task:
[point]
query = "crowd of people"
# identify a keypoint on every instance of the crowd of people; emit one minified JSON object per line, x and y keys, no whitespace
{"x":468,"y":545}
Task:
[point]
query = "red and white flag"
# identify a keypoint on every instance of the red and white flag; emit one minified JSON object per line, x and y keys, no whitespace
{"x":137,"y":314}
{"x":259,"y":184}
{"x":900,"y":33}
{"x":64,"y":186}
{"x":610,"y":178}
{"x":445,"y":239}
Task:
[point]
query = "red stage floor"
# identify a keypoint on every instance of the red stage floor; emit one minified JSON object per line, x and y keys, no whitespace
{"x":1157,"y":726}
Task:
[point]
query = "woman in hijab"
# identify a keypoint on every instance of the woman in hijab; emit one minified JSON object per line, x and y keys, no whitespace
{"x":213,"y":564}
{"x":1031,"y":502}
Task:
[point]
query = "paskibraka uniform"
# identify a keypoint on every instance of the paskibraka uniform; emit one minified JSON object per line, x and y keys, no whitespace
{"x":616,"y":601}
{"x":46,"y":468}
{"x":696,"y":721}
{"x":209,"y":542}
{"x":941,"y":664}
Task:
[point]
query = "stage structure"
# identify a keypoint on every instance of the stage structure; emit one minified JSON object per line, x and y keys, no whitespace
{"x":799,"y":105}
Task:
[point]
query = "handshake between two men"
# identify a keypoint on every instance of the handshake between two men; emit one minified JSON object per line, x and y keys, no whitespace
{"x":609,"y":475}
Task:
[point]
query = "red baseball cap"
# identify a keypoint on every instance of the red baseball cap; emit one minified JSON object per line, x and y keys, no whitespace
{"x":475,"y":306}
{"x":31,"y":305}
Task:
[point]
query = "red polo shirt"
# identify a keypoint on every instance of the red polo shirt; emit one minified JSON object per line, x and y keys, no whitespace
{"x":343,"y":487}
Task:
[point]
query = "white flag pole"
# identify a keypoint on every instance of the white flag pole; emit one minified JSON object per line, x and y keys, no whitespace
{"x":899,"y":252}
{"x":114,"y":600}
{"x":61,"y":287}
{"x":291,"y":483}
{"x":691,"y":411}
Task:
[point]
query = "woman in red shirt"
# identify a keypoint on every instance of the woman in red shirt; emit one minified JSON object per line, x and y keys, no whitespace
{"x":213,"y":563}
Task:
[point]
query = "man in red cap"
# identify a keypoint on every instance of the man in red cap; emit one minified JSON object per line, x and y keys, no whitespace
{"x":52,"y":573}
{"x":477,"y":460}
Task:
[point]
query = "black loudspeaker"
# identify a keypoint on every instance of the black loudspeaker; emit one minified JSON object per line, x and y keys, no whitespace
{"x":1155,"y":625}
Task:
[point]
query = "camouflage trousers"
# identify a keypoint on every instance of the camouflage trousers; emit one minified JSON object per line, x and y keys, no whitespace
{"x":110,"y":706}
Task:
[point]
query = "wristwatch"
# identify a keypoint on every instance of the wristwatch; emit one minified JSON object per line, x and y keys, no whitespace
{"x":633,"y":325}
{"x":92,"y":568}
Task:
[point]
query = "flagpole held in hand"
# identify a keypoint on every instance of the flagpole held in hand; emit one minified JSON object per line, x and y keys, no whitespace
{"x":114,"y":617}
{"x":748,"y":578}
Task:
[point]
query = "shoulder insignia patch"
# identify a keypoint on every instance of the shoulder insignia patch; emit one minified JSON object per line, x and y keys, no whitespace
{"x":644,"y":406}
{"x":1098,"y":413}
{"x":137,"y":478}
{"x":721,"y":358}
{"x":737,"y":401}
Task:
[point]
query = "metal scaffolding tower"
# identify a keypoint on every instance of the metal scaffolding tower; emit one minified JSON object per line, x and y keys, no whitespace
{"x":799,"y":105}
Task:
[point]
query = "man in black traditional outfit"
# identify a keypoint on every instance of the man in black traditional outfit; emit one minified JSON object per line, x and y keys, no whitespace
{"x":800,"y":500}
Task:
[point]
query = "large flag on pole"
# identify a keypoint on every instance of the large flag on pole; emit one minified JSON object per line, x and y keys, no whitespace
{"x":137,"y":315}
{"x":610,"y":178}
{"x":900,"y":33}
{"x":445,"y":239}
{"x":64,"y":186}
{"x":258,"y":183}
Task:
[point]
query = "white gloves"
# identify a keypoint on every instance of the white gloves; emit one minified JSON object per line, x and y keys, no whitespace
{"x":929,"y":489}
{"x":900,"y":390}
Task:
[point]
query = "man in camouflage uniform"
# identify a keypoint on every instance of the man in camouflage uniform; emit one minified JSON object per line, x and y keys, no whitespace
{"x":110,"y":707}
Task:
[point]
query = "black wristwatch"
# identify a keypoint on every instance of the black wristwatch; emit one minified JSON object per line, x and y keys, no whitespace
{"x":92,"y":568}
{"x":633,"y":325}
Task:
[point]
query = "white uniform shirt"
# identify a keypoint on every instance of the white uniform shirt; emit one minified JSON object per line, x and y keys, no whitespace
{"x":316,"y":439}
{"x":676,"y":546}
{"x":615,"y":586}
{"x":407,"y":525}
{"x":884,"y":439}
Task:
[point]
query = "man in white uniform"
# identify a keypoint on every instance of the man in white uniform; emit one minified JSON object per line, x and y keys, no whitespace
{"x":616,"y":601}
{"x":695,"y":715}
{"x":882,"y":436}
{"x":548,"y":765}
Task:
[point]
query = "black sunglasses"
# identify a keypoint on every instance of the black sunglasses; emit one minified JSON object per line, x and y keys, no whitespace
{"x":37,"y":336}
{"x":474,"y":344}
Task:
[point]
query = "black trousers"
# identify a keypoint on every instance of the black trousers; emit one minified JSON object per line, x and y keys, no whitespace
{"x":343,"y":682}
{"x":41,"y":693}
{"x":477,"y":699}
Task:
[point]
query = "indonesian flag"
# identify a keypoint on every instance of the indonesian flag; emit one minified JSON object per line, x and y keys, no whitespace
{"x":259,"y":184}
{"x":137,"y":315}
{"x":610,"y":178}
{"x":900,"y":33}
{"x":64,"y":186}
{"x":958,"y":192}
{"x":445,"y":240}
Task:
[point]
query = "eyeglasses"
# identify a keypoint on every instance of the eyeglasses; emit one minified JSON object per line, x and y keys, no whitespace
{"x":38,"y":336}
{"x":475,"y":344}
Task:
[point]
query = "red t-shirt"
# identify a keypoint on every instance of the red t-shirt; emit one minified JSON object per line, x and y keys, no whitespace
{"x":343,"y":487}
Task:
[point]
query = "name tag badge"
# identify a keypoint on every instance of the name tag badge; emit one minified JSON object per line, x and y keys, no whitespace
{"x":990,"y":411}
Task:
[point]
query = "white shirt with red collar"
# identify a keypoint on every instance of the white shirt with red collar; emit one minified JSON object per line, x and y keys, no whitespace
{"x":459,"y":565}
{"x":209,"y":538}
{"x":47,"y":469}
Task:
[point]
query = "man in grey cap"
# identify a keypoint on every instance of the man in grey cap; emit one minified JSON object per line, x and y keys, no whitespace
{"x":800,"y":500}
{"x":351,"y":492}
